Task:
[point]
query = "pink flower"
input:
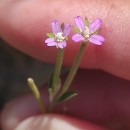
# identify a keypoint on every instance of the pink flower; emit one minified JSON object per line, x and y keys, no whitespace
{"x":87,"y":31}
{"x":59,"y":36}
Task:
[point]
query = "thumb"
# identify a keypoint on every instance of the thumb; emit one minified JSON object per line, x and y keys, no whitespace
{"x":55,"y":122}
{"x":17,"y":115}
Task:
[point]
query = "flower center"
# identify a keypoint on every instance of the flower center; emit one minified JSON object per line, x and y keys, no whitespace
{"x":59,"y":37}
{"x":86,"y":32}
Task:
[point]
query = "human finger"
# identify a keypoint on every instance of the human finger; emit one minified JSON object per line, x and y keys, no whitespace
{"x":24,"y":24}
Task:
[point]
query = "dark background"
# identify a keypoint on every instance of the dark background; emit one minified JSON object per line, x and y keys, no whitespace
{"x":15,"y":68}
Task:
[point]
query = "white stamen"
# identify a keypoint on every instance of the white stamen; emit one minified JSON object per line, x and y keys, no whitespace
{"x":86,"y":32}
{"x":59,"y":37}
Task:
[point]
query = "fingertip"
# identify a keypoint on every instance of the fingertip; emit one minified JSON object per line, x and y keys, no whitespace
{"x":17,"y":110}
{"x":56,"y":122}
{"x":22,"y":113}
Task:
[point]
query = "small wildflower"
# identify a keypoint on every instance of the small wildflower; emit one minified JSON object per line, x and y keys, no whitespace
{"x":59,"y":36}
{"x":87,"y":31}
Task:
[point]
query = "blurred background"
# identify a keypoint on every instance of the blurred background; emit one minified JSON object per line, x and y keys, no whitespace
{"x":15,"y":68}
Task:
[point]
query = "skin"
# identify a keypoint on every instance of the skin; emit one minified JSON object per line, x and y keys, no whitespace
{"x":23,"y":25}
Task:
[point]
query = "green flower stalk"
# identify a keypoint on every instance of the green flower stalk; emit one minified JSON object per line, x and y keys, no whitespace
{"x":85,"y":32}
{"x":36,"y":94}
{"x":72,"y":71}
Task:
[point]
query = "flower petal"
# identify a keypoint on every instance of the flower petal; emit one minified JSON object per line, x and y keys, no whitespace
{"x":77,"y":37}
{"x":95,"y":25}
{"x":66,"y":30}
{"x":62,"y":44}
{"x":79,"y":21}
{"x":56,"y":27}
{"x":50,"y":42}
{"x":96,"y":39}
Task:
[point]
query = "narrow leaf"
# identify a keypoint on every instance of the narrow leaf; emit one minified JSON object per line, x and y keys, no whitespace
{"x":51,"y":35}
{"x":86,"y":21}
{"x":76,"y":29}
{"x":97,"y":32}
{"x":67,"y":96}
{"x":62,"y":26}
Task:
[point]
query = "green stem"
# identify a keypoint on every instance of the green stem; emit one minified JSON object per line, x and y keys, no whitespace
{"x":36,"y":94}
{"x":73,"y":70}
{"x":58,"y":65}
{"x":55,"y":82}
